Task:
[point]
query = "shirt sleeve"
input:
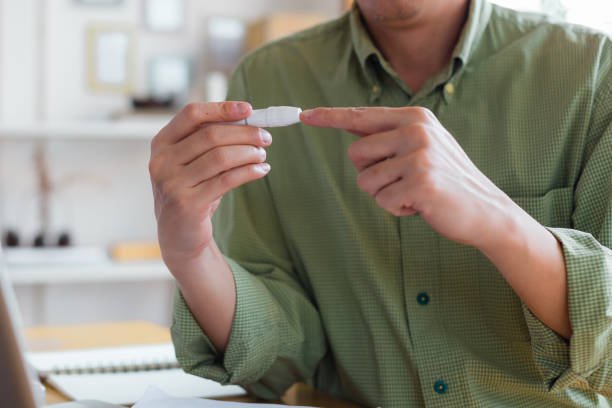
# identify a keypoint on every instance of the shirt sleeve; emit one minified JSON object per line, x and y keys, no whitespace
{"x":585,"y":361}
{"x":276,"y":337}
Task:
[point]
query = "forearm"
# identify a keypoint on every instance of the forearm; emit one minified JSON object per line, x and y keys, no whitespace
{"x":531,"y":260}
{"x":208,"y":287}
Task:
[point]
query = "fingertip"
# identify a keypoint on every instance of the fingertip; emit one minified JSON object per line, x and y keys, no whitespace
{"x":263,"y":168}
{"x":309,"y":116}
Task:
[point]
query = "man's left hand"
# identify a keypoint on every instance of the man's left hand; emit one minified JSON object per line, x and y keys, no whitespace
{"x":410,"y":164}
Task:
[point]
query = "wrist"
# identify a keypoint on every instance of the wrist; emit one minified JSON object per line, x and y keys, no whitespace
{"x":517,"y":238}
{"x":508,"y":231}
{"x":185,"y":269}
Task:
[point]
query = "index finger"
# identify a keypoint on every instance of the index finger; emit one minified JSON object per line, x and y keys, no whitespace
{"x":364,"y":121}
{"x":196,"y":114}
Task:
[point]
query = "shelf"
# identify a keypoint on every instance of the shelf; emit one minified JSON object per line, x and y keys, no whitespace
{"x":141,"y":129}
{"x":87,"y":273}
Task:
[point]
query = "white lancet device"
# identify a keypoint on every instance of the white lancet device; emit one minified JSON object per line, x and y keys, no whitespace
{"x":274,"y":116}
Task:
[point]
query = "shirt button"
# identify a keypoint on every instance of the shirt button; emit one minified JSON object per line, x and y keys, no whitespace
{"x":440,"y":387}
{"x":375,"y":89}
{"x":423,"y":298}
{"x":449,"y":88}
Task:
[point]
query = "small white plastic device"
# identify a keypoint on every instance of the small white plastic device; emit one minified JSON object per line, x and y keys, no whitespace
{"x":274,"y":116}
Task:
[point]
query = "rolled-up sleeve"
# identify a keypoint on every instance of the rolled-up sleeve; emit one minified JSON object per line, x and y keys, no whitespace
{"x":585,"y":361}
{"x":276,"y":336}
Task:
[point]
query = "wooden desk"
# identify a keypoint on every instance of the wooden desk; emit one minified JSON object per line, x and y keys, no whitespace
{"x":127,"y":333}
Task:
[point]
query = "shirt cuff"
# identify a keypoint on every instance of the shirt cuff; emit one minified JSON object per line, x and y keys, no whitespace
{"x":253,"y":343}
{"x":579,"y":362}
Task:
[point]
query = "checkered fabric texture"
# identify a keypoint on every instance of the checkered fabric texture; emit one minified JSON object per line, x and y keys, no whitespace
{"x":382,"y":310}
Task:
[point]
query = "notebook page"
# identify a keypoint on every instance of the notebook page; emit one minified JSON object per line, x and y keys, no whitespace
{"x":127,"y":388}
{"x":156,"y":398}
{"x":139,"y":357}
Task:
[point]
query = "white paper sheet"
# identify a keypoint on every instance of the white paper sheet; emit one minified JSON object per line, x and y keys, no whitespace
{"x":155,"y":398}
{"x":126,"y":388}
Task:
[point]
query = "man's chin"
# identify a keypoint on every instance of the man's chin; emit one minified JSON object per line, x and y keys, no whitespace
{"x":390,"y":11}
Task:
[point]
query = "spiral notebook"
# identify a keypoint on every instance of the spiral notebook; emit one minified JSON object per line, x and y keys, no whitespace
{"x":120,"y":375}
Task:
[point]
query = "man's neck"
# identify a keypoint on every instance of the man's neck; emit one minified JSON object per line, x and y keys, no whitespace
{"x":423,"y":45}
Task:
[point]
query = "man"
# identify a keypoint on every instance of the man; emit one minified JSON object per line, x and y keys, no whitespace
{"x":457,"y":255}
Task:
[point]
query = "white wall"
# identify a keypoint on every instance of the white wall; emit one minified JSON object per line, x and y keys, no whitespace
{"x":18,"y":60}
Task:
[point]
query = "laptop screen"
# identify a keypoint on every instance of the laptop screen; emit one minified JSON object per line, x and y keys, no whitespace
{"x":15,"y":386}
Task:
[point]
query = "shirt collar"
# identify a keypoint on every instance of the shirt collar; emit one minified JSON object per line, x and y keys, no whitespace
{"x":478,"y":19}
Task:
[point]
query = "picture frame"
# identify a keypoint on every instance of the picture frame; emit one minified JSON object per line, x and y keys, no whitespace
{"x":169,"y":76}
{"x":110,"y":58}
{"x":165,"y":16}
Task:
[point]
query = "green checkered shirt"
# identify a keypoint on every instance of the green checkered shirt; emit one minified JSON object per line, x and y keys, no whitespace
{"x":382,"y":310}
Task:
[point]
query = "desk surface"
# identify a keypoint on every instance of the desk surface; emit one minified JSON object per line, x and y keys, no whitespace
{"x":126,"y":333}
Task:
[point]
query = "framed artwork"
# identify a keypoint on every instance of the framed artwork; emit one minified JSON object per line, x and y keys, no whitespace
{"x":224,"y":42}
{"x":169,"y":76}
{"x":110,"y":58}
{"x":164,"y":15}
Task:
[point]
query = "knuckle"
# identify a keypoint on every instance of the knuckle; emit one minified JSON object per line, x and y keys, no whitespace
{"x":227,"y":179}
{"x":419,"y":134}
{"x":210,"y":136}
{"x":254,"y":135}
{"x":220,"y":157}
{"x":192,"y":111}
{"x":226,"y":108}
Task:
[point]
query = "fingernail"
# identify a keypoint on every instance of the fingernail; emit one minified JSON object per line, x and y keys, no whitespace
{"x":241,"y":108}
{"x":264,"y":167}
{"x":307,"y":114}
{"x":265,"y":136}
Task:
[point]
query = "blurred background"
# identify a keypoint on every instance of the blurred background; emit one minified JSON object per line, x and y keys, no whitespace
{"x":84,"y":86}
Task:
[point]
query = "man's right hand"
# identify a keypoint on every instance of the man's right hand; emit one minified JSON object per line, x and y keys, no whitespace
{"x":194,"y":162}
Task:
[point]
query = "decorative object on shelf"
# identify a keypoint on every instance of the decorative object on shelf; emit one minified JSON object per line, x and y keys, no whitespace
{"x":10,"y":238}
{"x":39,"y":240}
{"x":135,"y":251}
{"x":164,"y":15}
{"x":64,"y":240}
{"x":110,"y":58}
{"x":100,"y":2}
{"x":170,"y":77}
{"x":150,"y":103}
{"x":225,"y":43}
{"x":45,"y":187}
